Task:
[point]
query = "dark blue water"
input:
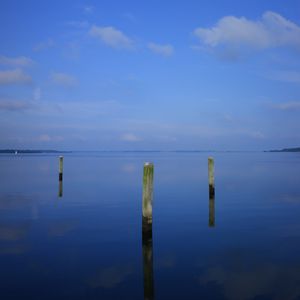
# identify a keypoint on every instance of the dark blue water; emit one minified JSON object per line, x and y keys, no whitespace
{"x":87,"y":244}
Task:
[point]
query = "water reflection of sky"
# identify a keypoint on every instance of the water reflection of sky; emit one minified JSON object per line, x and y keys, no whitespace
{"x":87,"y":244}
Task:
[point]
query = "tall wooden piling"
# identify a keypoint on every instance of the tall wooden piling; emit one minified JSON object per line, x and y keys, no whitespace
{"x":60,"y":168}
{"x":147,"y":231}
{"x":147,"y":200}
{"x":211,"y":177}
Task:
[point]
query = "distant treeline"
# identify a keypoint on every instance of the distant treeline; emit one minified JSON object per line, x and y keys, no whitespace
{"x":31,"y":151}
{"x":286,"y":150}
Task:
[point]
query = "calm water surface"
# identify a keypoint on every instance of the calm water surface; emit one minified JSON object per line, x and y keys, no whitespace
{"x":87,"y":244}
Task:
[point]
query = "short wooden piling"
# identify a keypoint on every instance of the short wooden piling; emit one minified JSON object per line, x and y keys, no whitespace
{"x":147,"y":200}
{"x":211,"y":177}
{"x":60,"y":168}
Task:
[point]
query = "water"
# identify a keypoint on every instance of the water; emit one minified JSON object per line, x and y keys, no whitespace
{"x":87,"y":244}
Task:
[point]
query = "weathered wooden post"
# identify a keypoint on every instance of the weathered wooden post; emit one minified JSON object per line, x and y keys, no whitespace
{"x":60,"y":176}
{"x":211,"y":177}
{"x":147,"y":231}
{"x":147,"y":200}
{"x":60,"y":168}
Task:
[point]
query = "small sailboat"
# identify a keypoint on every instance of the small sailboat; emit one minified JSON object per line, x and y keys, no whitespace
{"x":16,"y":152}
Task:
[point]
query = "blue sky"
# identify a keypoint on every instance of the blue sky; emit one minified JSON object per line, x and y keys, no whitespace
{"x":142,"y":75}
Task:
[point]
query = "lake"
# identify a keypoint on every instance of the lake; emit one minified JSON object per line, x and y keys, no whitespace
{"x":87,"y":242}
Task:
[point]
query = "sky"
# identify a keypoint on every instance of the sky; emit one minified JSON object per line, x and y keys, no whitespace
{"x":150,"y":75}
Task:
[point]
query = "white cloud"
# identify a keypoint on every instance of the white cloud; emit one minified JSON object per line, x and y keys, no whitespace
{"x":16,"y":76}
{"x":129,"y":16}
{"x":257,"y":135}
{"x":228,"y":117}
{"x":14,"y":105}
{"x":288,"y":106}
{"x":37,"y":94}
{"x":130,"y":137}
{"x":88,"y":9}
{"x":47,"y":138}
{"x":112,"y":37}
{"x":285,"y":76}
{"x":63,"y":79}
{"x":49,"y":43}
{"x":233,"y":33}
{"x":165,"y":50}
{"x":20,"y":61}
{"x":78,"y":24}
{"x":44,"y":138}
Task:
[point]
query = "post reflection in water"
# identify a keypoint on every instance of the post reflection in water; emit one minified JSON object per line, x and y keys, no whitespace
{"x":60,"y":175}
{"x":211,"y":214}
{"x":148,"y":265}
{"x":211,"y":188}
{"x":60,"y":188}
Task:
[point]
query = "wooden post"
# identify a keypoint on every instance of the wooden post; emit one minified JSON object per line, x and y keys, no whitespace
{"x":211,"y":177}
{"x":61,"y":161}
{"x":147,"y":231}
{"x":211,"y":214}
{"x":147,"y":200}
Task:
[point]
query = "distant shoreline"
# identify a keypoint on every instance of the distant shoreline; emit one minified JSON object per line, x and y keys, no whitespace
{"x":285,"y":150}
{"x":16,"y":151}
{"x":26,"y":151}
{"x":30,"y":151}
